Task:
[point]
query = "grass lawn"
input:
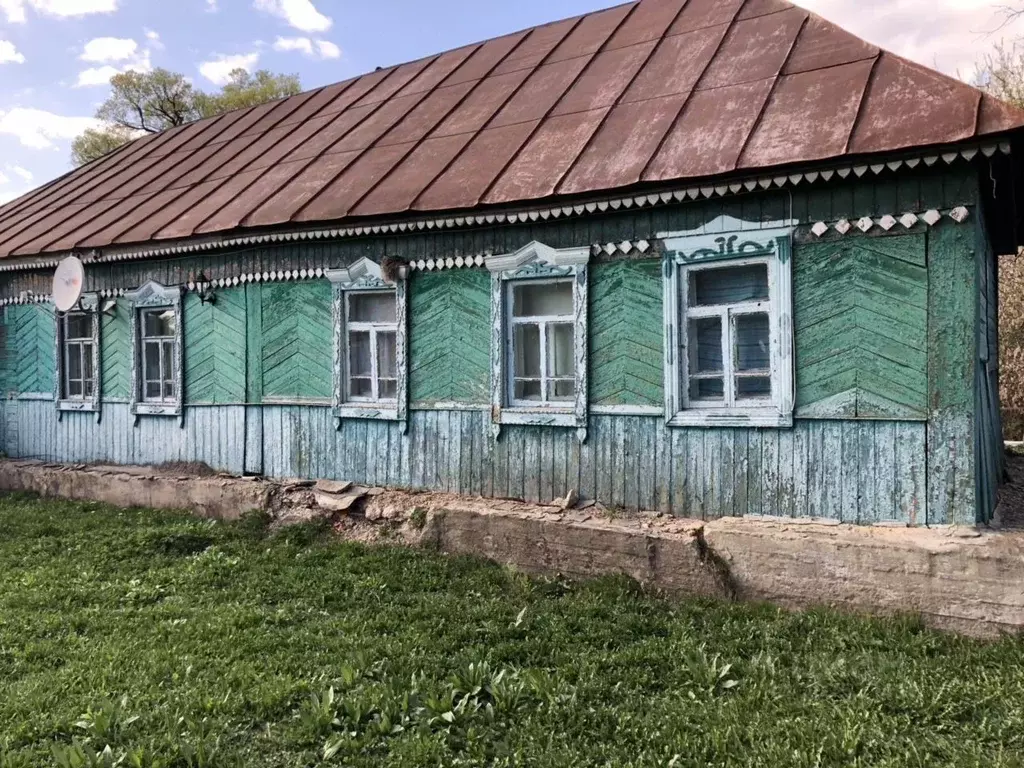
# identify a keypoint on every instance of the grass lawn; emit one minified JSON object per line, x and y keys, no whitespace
{"x":181,"y":642}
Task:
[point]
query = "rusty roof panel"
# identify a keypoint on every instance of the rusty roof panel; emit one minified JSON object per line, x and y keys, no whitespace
{"x":907,"y":104}
{"x":473,"y":171}
{"x":537,"y":169}
{"x":698,"y":14}
{"x":647,"y":23}
{"x":624,"y":145}
{"x":604,"y":80}
{"x":710,"y":133}
{"x":398,"y":191}
{"x":677,"y":64}
{"x":590,"y":35}
{"x":754,"y":49}
{"x":652,"y":91}
{"x":825,"y":45}
{"x":827,"y":99}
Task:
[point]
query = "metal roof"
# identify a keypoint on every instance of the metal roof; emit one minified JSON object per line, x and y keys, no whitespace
{"x":639,"y":94}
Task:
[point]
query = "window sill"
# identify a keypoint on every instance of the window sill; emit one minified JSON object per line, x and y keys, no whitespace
{"x":724,"y":418}
{"x":539,"y":417}
{"x":72,"y":406}
{"x":368,"y":411}
{"x":156,"y":409}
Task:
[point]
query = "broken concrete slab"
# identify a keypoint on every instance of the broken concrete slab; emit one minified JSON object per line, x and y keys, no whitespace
{"x":333,"y":486}
{"x":335,"y":503}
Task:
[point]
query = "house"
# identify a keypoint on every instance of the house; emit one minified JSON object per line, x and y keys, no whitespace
{"x":708,"y":257}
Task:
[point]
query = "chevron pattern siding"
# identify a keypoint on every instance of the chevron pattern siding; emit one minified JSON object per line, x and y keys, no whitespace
{"x":31,"y":359}
{"x":215,"y":348}
{"x":450,"y":340}
{"x":297,"y":340}
{"x":116,"y":353}
{"x":626,"y":335}
{"x":861,"y":323}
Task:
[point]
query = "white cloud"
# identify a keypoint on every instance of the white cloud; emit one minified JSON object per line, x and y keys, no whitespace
{"x":117,"y":55}
{"x":219,"y":69}
{"x":4,"y":179}
{"x":22,"y":172}
{"x":14,"y":10}
{"x":39,"y":129}
{"x":154,"y":39}
{"x":328,"y":50}
{"x":315,"y":48}
{"x":300,"y":14}
{"x":106,"y":49}
{"x":9,"y":54}
{"x":96,"y":76}
{"x":211,"y":6}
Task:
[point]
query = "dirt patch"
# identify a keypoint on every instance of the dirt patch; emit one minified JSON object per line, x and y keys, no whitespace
{"x":1010,"y":507}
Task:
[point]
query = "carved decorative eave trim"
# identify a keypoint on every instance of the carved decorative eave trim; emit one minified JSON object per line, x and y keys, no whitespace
{"x":887,"y":222}
{"x":679,"y":195}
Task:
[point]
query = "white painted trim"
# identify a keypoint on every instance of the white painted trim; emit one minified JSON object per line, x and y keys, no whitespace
{"x":539,"y":253}
{"x":627,"y":410}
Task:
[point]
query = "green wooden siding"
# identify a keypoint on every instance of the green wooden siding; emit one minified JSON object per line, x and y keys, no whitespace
{"x":450,"y":317}
{"x":626,"y":336}
{"x":116,"y":353}
{"x":952,"y":359}
{"x":215,"y":337}
{"x":297,"y":340}
{"x":861,"y":320}
{"x":31,"y":355}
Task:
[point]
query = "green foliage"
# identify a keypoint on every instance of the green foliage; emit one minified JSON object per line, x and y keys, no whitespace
{"x":154,"y":640}
{"x":150,"y":102}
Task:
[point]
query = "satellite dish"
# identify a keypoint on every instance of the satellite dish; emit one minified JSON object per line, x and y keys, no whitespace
{"x":67,"y":283}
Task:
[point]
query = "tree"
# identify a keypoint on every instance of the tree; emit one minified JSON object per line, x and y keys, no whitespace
{"x":150,"y":102}
{"x":1001,"y":73}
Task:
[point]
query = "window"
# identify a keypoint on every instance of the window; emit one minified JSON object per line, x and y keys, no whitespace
{"x":728,"y":328}
{"x":78,"y":357}
{"x":372,"y":347}
{"x":159,"y":331}
{"x":369,"y":343}
{"x":157,"y":351}
{"x":543,"y":343}
{"x":539,"y":337}
{"x":79,"y":372}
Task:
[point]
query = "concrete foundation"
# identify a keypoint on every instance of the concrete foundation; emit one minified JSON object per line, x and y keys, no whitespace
{"x":964,"y":580}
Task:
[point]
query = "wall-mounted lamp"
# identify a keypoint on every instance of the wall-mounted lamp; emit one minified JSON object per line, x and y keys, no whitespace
{"x":204,"y":289}
{"x":109,"y":307}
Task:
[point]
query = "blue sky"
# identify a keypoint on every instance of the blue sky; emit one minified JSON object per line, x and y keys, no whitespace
{"x":56,"y":56}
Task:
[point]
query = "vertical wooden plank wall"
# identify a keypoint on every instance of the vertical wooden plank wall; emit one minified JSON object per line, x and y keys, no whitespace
{"x":952,"y":362}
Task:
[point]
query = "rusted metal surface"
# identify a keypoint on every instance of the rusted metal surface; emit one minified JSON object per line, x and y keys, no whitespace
{"x":649,"y":92}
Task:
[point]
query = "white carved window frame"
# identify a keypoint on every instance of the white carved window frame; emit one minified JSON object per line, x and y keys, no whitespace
{"x":88,"y":305}
{"x":539,"y":262}
{"x":366,"y":276}
{"x":151,"y":296}
{"x":730,"y":242}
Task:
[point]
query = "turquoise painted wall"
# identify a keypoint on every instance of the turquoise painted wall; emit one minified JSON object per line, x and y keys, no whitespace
{"x":885,"y":364}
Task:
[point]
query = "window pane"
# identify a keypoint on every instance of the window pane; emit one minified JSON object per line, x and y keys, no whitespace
{"x":74,"y":388}
{"x":361,"y":387}
{"x":388,"y":389}
{"x":160,"y":322}
{"x":167,"y":351}
{"x":387,"y":364}
{"x":371,"y":307}
{"x":532,"y":300}
{"x":560,"y":350}
{"x":753,"y":386}
{"x":152,"y":361}
{"x":360,"y":355}
{"x":527,"y":390}
{"x":78,"y":326}
{"x":751,"y":340}
{"x":87,"y":360}
{"x":707,"y":389}
{"x":705,"y":339}
{"x":152,"y":390}
{"x":526,"y":345}
{"x":74,"y":361}
{"x":728,"y":285}
{"x":88,"y":388}
{"x":562,"y":390}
